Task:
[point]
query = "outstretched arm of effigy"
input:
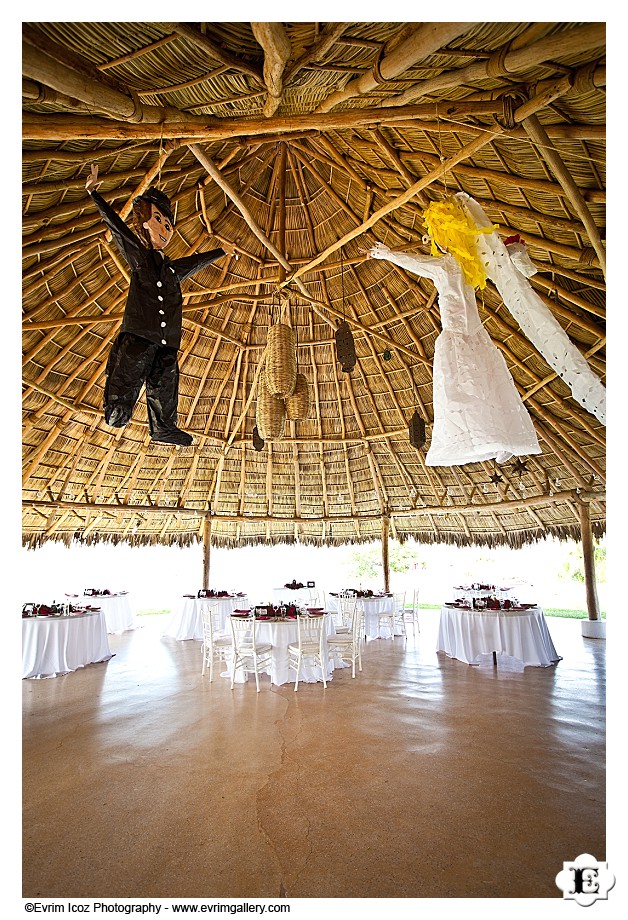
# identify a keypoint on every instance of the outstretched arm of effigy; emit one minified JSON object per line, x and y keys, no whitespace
{"x":423,"y":266}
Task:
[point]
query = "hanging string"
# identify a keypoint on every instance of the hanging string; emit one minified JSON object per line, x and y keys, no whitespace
{"x":415,"y":391}
{"x":161,"y":150}
{"x":342,"y":281}
{"x":440,"y":149}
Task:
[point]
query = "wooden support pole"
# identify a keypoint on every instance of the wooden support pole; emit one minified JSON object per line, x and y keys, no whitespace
{"x":207,"y":536}
{"x":593,"y":606}
{"x":385,"y":530}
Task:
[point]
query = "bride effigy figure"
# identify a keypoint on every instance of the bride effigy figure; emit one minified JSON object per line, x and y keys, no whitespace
{"x":478,"y":412}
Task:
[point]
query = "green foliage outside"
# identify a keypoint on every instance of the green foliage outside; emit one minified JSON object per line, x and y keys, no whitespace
{"x":366,"y":561}
{"x":574,"y":567}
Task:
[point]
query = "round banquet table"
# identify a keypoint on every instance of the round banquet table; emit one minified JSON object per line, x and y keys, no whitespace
{"x":372,"y":607}
{"x":186,"y":622}
{"x":280,"y":635}
{"x":521,"y":636}
{"x":58,"y":645}
{"x":117,"y":611}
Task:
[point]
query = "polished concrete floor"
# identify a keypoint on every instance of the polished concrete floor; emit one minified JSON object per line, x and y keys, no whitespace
{"x":422,"y":778}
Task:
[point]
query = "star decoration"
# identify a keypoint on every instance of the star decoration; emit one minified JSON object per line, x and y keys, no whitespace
{"x":520,"y":466}
{"x":495,"y":478}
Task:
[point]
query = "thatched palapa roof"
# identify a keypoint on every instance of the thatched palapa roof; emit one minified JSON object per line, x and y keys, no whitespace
{"x":304,"y":144}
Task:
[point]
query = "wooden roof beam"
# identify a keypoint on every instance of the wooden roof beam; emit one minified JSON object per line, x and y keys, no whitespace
{"x":426,"y":39}
{"x":506,"y":63}
{"x":277,"y":49}
{"x":206,"y":130}
{"x":73,"y":75}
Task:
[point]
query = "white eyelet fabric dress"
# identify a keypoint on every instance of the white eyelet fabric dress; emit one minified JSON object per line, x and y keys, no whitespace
{"x":509,"y":271}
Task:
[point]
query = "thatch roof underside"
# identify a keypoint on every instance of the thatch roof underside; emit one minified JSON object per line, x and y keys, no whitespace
{"x":305,"y":143}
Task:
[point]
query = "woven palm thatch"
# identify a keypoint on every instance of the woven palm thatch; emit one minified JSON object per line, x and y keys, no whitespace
{"x":305,"y":164}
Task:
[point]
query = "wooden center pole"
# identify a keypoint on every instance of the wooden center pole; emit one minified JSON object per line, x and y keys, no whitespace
{"x":207,"y":536}
{"x":593,"y":606}
{"x":385,"y":530}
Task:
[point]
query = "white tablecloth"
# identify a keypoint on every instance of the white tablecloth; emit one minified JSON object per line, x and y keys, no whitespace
{"x":117,"y":611}
{"x":186,"y":621}
{"x":280,"y":636}
{"x":372,"y":607}
{"x":521,"y":635}
{"x":58,"y":645}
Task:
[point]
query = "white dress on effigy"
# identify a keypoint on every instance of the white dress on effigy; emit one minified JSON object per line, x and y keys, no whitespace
{"x":478,"y":412}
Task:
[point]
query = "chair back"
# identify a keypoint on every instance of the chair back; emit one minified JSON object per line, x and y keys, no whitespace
{"x":399,"y":601}
{"x":311,"y":630}
{"x":210,"y":619}
{"x":243,"y":631}
{"x":357,"y":623}
{"x":347,"y":609}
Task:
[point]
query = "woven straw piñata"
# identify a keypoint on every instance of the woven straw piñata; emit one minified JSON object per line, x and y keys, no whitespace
{"x":298,"y":405}
{"x":270,"y":414}
{"x":281,"y":360}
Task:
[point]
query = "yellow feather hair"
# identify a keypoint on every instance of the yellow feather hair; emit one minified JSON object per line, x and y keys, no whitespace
{"x":452,"y":228}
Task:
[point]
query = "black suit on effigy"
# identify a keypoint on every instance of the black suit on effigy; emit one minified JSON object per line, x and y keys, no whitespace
{"x":145,"y":350}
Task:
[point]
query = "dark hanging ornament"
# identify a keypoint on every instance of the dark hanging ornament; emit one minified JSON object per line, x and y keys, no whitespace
{"x":387,"y":355}
{"x":345,"y":347}
{"x":258,"y":441}
{"x":520,"y":466}
{"x":416,"y":431}
{"x":495,"y":478}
